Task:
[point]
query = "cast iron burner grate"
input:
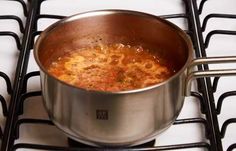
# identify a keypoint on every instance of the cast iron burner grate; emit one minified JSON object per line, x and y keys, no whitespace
{"x":18,"y":93}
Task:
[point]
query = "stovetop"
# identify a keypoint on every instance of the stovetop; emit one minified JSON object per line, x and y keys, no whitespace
{"x":208,"y":118}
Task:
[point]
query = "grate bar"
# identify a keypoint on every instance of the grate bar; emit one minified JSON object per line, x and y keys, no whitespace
{"x":24,"y":97}
{"x":200,"y":98}
{"x":23,"y":5}
{"x":29,"y":121}
{"x":204,"y":84}
{"x":173,"y":16}
{"x":8,"y":82}
{"x":222,"y":98}
{"x":188,"y":32}
{"x":225,"y":125}
{"x":4,"y":105}
{"x":193,"y":120}
{"x":16,"y":18}
{"x":190,"y":120}
{"x":215,"y":83}
{"x":219,"y":32}
{"x":50,"y":16}
{"x":39,"y":147}
{"x":231,"y":147}
{"x":161,"y":148}
{"x":14,"y":35}
{"x":21,"y":69}
{"x":210,"y":16}
{"x":36,"y":33}
{"x":26,"y":78}
{"x":201,"y":6}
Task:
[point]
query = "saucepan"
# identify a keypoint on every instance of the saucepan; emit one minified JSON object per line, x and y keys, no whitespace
{"x":123,"y":118}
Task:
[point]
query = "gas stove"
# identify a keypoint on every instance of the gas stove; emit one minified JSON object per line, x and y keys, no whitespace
{"x":208,"y":118}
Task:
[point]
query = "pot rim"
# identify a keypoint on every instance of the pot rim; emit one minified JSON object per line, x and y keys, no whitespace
{"x":94,"y":13}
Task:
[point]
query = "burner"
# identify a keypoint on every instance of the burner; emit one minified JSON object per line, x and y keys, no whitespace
{"x":73,"y":143}
{"x":147,"y":144}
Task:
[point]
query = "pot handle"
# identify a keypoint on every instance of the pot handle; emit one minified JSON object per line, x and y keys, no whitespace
{"x":209,"y":73}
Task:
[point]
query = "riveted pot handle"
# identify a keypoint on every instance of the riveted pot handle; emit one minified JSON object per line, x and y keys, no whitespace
{"x":209,"y":73}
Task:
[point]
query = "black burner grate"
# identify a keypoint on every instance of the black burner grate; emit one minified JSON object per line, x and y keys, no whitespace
{"x":19,"y":93}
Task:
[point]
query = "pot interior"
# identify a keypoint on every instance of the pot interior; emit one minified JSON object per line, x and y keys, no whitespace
{"x":109,"y":27}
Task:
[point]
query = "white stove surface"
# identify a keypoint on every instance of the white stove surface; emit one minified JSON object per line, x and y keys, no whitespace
{"x":177,"y":134}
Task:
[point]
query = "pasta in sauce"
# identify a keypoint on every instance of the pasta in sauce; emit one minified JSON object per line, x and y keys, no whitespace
{"x":115,"y":67}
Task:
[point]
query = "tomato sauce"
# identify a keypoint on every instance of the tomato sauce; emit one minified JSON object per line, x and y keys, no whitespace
{"x":115,"y":67}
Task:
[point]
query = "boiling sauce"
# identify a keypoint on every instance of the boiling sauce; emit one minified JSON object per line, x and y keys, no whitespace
{"x":112,"y":68}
